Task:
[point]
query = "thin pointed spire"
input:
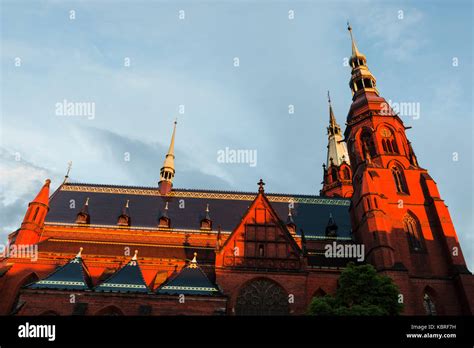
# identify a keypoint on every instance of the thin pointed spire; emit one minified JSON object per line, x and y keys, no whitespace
{"x":134,"y":258}
{"x":79,"y":254}
{"x":83,"y":216}
{"x":361,"y":77}
{"x":332,"y":118}
{"x":355,"y":50}
{"x":193,"y":263}
{"x":290,"y":217}
{"x":66,"y":177}
{"x":171,"y":148}
{"x":167,"y":171}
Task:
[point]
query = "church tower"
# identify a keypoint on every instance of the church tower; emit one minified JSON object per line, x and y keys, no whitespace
{"x":33,"y":222}
{"x":396,"y":209}
{"x":167,"y":171}
{"x":337,"y":170}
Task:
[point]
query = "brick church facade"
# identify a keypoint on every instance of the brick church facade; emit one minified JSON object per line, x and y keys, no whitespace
{"x":123,"y":250}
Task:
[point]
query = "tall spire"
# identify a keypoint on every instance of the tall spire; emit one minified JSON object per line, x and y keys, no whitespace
{"x":355,"y":50}
{"x":333,"y":126}
{"x":361,"y":79}
{"x":167,"y":171}
{"x":337,"y":151}
{"x":171,"y":148}
{"x":332,"y":119}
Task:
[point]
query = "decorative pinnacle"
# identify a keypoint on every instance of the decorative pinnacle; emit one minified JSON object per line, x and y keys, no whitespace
{"x":126,"y":204}
{"x":193,"y":263}
{"x":329,"y":98}
{"x":166,"y":206}
{"x":87,"y":201}
{"x":134,"y":258}
{"x":79,"y":254}
{"x":355,"y":51}
{"x":69,"y":165}
{"x":260,"y":186}
{"x":207,"y":208}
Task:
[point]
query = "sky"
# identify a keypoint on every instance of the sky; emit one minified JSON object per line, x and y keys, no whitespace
{"x":142,"y":64}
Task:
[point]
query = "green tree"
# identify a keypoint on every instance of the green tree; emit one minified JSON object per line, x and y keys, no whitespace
{"x":361,"y":291}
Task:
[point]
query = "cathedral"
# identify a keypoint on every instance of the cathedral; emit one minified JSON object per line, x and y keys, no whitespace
{"x":125,"y":250}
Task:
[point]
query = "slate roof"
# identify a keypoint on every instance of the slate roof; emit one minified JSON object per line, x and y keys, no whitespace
{"x":179,"y":252}
{"x":127,"y":279}
{"x":191,"y":280}
{"x":71,"y":276}
{"x":146,"y":206}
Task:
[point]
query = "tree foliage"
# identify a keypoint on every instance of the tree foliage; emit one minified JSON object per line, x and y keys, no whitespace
{"x":361,"y":291}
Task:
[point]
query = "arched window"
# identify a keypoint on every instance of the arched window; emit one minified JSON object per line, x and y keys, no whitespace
{"x":367,"y":143}
{"x":394,"y":146}
{"x":35,"y":214}
{"x":415,"y":237}
{"x":346,"y":174}
{"x":429,"y":305}
{"x":262,"y":297}
{"x":334,"y":174}
{"x":399,"y":180}
{"x":389,"y":144}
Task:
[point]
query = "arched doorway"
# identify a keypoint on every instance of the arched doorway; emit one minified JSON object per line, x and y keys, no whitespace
{"x":110,"y":311}
{"x":262,"y":297}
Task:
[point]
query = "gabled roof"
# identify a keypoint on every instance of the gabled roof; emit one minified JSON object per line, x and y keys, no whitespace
{"x":191,"y":280}
{"x":127,"y":279}
{"x":71,"y":276}
{"x":147,"y":206}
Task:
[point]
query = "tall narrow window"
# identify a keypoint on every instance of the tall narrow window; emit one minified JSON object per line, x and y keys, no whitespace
{"x":399,"y":180}
{"x":429,"y":305}
{"x":368,"y":143}
{"x":346,"y":174}
{"x":36,"y":214}
{"x":334,"y":174}
{"x":394,"y":146}
{"x":414,"y":235}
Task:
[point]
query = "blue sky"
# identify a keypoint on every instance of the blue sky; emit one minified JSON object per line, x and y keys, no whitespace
{"x":190,"y":62}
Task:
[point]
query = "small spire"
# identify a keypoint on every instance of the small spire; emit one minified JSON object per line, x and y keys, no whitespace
{"x":134,"y":258}
{"x":171,"y":148}
{"x":332,"y":119}
{"x":260,"y":186}
{"x":83,"y":216}
{"x":126,"y":204}
{"x":66,"y":177}
{"x":167,"y":171}
{"x":290,"y":217}
{"x":79,"y":254}
{"x":165,"y":213}
{"x":193,"y":263}
{"x":355,"y":51}
{"x":208,"y":217}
